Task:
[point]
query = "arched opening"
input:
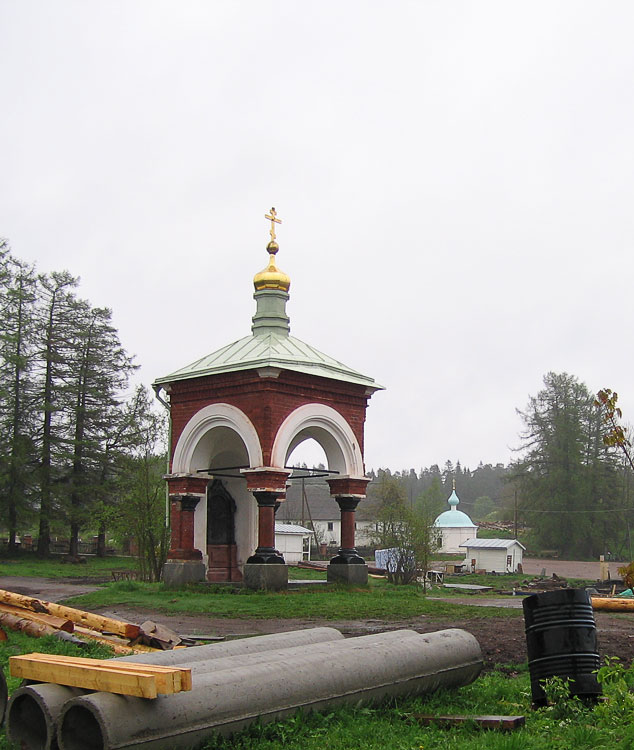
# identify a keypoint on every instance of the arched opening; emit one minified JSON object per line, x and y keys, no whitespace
{"x":221,"y":437}
{"x":217,"y":433}
{"x":329,"y":429}
{"x":307,"y":454}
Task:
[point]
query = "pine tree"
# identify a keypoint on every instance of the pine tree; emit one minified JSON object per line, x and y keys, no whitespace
{"x":101,"y":370}
{"x":57,"y":311}
{"x":17,"y":333}
{"x":567,"y":477}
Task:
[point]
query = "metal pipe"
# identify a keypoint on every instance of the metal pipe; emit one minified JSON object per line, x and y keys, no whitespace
{"x":368,"y":669}
{"x":33,"y":710}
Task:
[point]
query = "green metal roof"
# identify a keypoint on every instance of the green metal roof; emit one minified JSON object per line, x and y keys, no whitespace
{"x":270,"y":345}
{"x":270,"y":350}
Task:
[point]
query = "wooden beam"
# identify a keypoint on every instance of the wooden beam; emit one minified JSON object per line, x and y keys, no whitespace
{"x":87,"y":619}
{"x":119,"y":645}
{"x":140,"y":680}
{"x":503,"y":723}
{"x":616,"y":604}
{"x":23,"y":624}
{"x":59,"y":623}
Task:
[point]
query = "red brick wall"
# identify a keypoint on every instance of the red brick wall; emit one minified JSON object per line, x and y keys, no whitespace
{"x":267,"y":401}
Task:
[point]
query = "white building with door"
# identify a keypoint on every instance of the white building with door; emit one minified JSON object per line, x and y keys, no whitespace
{"x":493,"y":555}
{"x":292,"y":541}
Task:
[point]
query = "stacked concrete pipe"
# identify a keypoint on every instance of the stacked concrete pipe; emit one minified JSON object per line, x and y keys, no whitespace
{"x":34,"y":709}
{"x":271,"y":686}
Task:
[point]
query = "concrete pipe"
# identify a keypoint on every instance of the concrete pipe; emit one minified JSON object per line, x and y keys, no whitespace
{"x":34,"y":709}
{"x":328,"y":649}
{"x":368,"y":669}
{"x":33,"y":713}
{"x":185,"y":656}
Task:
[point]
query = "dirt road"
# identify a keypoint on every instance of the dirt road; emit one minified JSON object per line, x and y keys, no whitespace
{"x":501,"y":639}
{"x":48,"y":589}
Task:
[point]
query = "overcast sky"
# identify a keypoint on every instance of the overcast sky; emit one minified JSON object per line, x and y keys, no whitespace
{"x":455,"y":181}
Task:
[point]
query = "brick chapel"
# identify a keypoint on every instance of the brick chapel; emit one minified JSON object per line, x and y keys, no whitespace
{"x":236,"y":416}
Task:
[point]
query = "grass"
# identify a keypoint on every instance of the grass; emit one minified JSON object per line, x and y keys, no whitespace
{"x":330,"y":602}
{"x":20,"y":643}
{"x":390,"y":725}
{"x":506,"y":582}
{"x":305,"y":574}
{"x":567,"y":725}
{"x":28,"y":564}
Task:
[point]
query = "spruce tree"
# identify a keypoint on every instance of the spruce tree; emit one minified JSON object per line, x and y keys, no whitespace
{"x":57,"y":316}
{"x":17,"y":351}
{"x":568,"y":479}
{"x":101,"y":370}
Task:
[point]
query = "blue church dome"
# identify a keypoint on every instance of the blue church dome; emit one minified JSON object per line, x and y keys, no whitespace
{"x":453,"y":518}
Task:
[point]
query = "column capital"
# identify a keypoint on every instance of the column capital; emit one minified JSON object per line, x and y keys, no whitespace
{"x":187,"y":484}
{"x":348,"y":486}
{"x":187,"y":502}
{"x":266,"y":479}
{"x":347,"y":503}
{"x":266,"y":498}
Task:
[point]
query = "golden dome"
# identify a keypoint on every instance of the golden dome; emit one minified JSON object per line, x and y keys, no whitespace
{"x":271,"y":277}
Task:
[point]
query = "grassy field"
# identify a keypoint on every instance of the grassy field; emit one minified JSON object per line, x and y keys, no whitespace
{"x":379,"y":600}
{"x":566,"y":725}
{"x":376,"y":601}
{"x":28,"y":564}
{"x":392,"y":726}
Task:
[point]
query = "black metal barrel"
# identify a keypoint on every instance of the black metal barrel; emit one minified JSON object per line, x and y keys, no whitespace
{"x":561,"y":640}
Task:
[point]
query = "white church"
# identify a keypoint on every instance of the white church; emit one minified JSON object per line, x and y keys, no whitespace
{"x":454,"y":527}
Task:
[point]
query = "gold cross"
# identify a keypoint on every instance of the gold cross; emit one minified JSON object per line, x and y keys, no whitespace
{"x":274,"y":221}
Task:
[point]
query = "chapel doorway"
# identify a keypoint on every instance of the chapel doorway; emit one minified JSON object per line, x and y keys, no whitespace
{"x":221,"y":537}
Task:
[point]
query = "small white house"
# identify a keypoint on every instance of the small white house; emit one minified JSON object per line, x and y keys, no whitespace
{"x":293,"y":542}
{"x":493,"y":555}
{"x":453,"y":527}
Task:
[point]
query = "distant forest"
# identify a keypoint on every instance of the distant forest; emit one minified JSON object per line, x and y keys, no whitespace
{"x":483,"y":492}
{"x":436,"y":485}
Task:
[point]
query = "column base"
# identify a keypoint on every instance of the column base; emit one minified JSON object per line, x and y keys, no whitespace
{"x":347,"y":557}
{"x":266,"y":556}
{"x":265,"y":577}
{"x":356,"y":575}
{"x":177,"y":573}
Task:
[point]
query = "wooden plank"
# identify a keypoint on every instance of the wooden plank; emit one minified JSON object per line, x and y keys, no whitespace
{"x":466,"y":587}
{"x":502,"y":723}
{"x":93,"y":678}
{"x":155,"y":634}
{"x":88,"y":619}
{"x":119,"y":645}
{"x":168,"y":679}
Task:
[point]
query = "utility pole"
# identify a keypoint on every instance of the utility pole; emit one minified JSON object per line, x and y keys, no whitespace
{"x":515,"y":516}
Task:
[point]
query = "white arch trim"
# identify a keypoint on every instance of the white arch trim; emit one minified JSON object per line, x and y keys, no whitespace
{"x":209,"y":417}
{"x":325,"y":425}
